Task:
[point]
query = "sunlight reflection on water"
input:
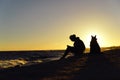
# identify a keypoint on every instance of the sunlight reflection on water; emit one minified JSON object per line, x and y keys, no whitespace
{"x":20,"y":62}
{"x":27,"y":58}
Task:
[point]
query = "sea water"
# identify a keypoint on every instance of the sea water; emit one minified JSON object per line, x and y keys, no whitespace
{"x":26,"y":58}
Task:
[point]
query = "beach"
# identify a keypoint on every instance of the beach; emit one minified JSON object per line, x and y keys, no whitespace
{"x":104,"y":66}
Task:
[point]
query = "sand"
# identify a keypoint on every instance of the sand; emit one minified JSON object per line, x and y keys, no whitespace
{"x":105,"y":66}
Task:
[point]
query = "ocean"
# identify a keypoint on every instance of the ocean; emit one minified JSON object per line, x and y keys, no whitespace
{"x":25,"y":58}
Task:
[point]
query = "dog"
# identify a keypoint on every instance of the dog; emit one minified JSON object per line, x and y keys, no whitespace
{"x":94,"y":46}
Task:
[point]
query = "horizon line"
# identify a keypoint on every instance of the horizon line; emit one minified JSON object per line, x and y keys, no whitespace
{"x":50,"y":49}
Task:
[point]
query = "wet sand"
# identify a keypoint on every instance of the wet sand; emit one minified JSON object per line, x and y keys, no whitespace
{"x":105,"y":66}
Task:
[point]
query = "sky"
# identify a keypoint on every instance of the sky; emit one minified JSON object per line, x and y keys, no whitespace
{"x":47,"y":24}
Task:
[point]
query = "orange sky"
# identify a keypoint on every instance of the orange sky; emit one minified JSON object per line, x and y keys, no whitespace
{"x":43,"y":25}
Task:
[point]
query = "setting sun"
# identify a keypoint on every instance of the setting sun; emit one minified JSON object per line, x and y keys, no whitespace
{"x":100,"y":39}
{"x":41,"y":25}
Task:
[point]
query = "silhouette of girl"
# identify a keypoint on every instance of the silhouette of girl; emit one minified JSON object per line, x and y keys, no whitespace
{"x":78,"y":47}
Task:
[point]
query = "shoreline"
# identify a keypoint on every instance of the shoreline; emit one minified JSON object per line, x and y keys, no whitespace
{"x":107,"y":67}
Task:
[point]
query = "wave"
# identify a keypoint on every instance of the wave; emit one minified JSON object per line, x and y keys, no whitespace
{"x":26,"y":58}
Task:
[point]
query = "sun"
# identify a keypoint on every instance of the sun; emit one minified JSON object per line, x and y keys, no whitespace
{"x":88,"y":39}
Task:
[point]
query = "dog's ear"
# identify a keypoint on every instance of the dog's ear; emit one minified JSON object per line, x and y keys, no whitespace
{"x":91,"y":36}
{"x":95,"y":36}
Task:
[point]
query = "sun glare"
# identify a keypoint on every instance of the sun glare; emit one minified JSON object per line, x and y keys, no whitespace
{"x":88,"y":39}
